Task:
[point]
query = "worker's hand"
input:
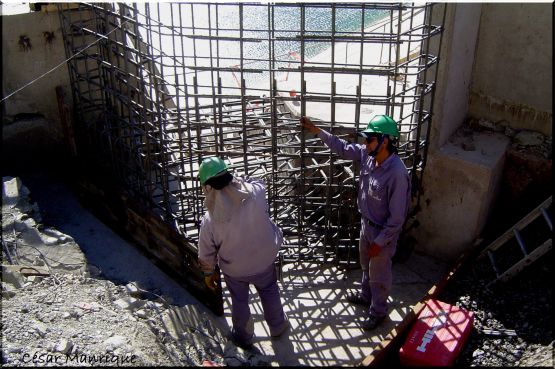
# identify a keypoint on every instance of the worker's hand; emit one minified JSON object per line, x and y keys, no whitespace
{"x":212,"y":280}
{"x":374,"y":250}
{"x":308,"y":125}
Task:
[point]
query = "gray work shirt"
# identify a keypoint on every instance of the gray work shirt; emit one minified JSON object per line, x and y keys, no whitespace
{"x":384,"y":190}
{"x":245,"y":245}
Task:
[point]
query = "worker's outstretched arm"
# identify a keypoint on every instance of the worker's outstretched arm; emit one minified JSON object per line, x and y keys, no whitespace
{"x":346,"y":150}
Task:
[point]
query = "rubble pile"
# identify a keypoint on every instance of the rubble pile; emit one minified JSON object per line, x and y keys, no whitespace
{"x":67,"y":319}
{"x":526,"y":141}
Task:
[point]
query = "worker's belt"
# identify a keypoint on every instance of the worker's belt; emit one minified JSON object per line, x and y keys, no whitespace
{"x":371,"y":223}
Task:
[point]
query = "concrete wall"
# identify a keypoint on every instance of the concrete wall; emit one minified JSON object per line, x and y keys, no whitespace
{"x":496,"y":63}
{"x":19,"y":67}
{"x":455,"y":71}
{"x":513,"y":72}
{"x":454,"y":187}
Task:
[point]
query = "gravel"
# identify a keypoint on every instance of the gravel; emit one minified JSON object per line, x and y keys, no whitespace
{"x":512,"y":320}
{"x":72,"y":320}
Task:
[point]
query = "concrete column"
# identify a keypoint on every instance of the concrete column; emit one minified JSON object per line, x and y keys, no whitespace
{"x":461,"y":183}
{"x":464,"y":169}
{"x":455,"y":70}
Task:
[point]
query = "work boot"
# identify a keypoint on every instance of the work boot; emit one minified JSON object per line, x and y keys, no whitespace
{"x":357,"y":298}
{"x":284,"y":328}
{"x":372,"y":322}
{"x":246,"y":341}
{"x":239,"y":342}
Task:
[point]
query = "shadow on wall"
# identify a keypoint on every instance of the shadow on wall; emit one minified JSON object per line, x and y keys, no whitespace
{"x":527,"y":175}
{"x":29,"y":144}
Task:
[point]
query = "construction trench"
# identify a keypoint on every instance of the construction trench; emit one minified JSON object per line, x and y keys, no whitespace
{"x":158,"y":87}
{"x":155,"y":88}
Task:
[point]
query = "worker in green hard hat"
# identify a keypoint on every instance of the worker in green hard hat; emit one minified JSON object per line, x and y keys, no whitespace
{"x":215,"y":170}
{"x":383,"y":202}
{"x":238,"y":235}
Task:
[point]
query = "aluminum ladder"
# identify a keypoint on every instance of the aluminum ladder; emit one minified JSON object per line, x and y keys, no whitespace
{"x":528,"y":254}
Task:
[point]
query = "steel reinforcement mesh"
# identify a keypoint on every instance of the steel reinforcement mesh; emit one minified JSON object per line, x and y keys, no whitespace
{"x":159,"y":86}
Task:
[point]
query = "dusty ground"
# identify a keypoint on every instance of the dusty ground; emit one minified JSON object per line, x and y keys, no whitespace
{"x":110,"y":314}
{"x":74,"y":320}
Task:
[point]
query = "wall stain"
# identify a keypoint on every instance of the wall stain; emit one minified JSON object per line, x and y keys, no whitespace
{"x":519,"y":111}
{"x":48,"y":37}
{"x":24,"y":43}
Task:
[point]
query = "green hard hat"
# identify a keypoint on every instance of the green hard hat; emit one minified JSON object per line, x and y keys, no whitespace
{"x":211,"y":167}
{"x":381,"y":124}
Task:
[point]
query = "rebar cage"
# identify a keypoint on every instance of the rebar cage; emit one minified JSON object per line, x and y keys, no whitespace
{"x":159,"y":86}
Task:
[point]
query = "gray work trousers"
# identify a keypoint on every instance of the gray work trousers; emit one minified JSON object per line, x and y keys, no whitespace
{"x":268,"y":290}
{"x":376,"y":272}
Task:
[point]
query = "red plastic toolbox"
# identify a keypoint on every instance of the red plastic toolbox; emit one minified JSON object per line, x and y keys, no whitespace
{"x":438,"y":335}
